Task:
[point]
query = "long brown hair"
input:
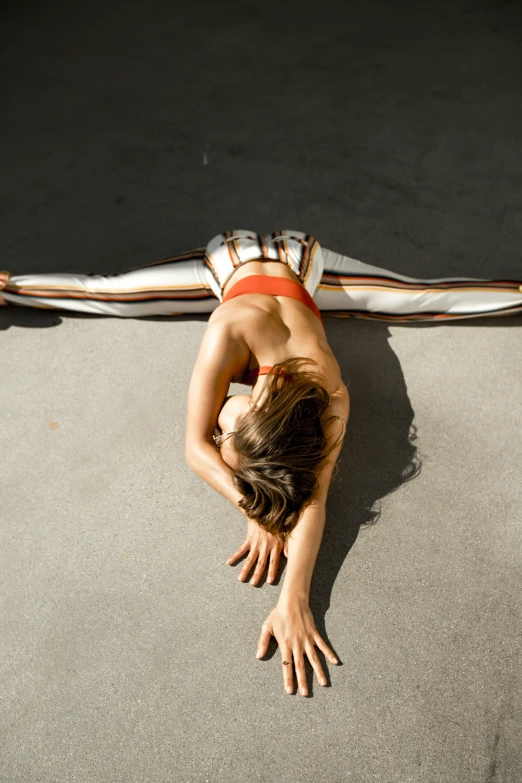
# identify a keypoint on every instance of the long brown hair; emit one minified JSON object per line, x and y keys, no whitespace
{"x":280,"y":444}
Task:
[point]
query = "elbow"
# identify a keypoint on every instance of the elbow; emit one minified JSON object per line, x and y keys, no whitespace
{"x":192,"y":459}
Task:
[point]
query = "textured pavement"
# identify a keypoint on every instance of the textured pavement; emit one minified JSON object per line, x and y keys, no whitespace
{"x":127,"y":645}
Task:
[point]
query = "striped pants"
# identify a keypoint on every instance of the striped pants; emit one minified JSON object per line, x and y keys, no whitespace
{"x":347,"y":288}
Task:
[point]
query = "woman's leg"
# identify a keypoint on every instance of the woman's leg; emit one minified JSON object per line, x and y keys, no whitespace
{"x":348,"y":288}
{"x":172,"y":287}
{"x":351,"y":288}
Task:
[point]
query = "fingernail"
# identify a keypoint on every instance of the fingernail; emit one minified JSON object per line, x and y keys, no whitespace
{"x":303,"y":692}
{"x":322,"y":681}
{"x":289,"y":689}
{"x":269,"y":580}
{"x":335,"y":660}
{"x":258,"y":654}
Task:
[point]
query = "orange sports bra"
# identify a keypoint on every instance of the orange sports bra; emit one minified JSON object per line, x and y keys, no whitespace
{"x":277,"y":286}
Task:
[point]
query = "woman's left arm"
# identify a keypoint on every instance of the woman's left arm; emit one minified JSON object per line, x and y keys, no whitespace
{"x":291,"y":622}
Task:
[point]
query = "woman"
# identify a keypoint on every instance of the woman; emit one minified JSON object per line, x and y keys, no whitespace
{"x":275,"y":449}
{"x":271,"y":453}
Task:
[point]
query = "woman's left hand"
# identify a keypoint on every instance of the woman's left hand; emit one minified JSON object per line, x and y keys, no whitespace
{"x":292,"y":624}
{"x":260,"y":545}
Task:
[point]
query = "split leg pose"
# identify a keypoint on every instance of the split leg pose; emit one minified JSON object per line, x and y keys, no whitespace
{"x":270,"y":453}
{"x":187,"y":284}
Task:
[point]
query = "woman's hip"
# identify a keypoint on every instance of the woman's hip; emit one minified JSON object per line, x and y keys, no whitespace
{"x":227,"y":251}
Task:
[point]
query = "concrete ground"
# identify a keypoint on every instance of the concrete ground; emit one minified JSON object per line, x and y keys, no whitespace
{"x":134,"y":131}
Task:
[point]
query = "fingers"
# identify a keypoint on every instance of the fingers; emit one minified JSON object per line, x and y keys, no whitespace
{"x":293,"y":655}
{"x":300,"y":671}
{"x":261,"y":563}
{"x":264,"y":640}
{"x":241,"y":551}
{"x":294,"y":660}
{"x":274,"y":565}
{"x":316,"y":663}
{"x":247,"y":565}
{"x":259,"y":550}
{"x":325,"y":649}
{"x":288,"y":677}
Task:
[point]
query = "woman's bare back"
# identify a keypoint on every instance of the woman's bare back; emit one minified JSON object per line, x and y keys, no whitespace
{"x":273,"y":328}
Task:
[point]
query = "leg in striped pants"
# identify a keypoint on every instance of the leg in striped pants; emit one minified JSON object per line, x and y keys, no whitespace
{"x":348,"y":288}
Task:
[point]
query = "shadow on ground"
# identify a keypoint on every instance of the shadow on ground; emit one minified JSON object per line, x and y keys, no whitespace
{"x":378,"y":456}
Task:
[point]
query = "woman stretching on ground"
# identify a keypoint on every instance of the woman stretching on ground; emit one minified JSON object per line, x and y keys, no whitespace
{"x":271,"y":453}
{"x":274,"y":451}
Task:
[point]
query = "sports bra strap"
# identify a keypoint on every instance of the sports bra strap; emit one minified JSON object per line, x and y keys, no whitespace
{"x":251,"y":376}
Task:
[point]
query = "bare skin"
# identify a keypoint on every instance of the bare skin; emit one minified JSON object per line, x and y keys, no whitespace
{"x":247,"y":332}
{"x":4,"y":277}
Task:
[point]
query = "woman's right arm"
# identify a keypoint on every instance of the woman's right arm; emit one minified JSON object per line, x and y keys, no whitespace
{"x":206,"y":461}
{"x":221,"y":355}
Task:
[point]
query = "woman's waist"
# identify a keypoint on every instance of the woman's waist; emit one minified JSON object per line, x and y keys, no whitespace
{"x":274,"y":286}
{"x":260,"y":268}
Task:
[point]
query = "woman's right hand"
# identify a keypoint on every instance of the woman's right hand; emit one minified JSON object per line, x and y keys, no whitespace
{"x":261,"y":545}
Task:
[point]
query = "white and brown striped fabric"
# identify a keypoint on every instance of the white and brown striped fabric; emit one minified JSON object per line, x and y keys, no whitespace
{"x":301,"y":252}
{"x":351,"y":288}
{"x":193,"y":283}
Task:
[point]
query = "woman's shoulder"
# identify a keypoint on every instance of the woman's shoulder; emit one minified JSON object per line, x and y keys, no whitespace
{"x":339,"y":403}
{"x":223,"y":349}
{"x":228,"y":320}
{"x":234,"y":317}
{"x":340,"y":399}
{"x":328,"y":366}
